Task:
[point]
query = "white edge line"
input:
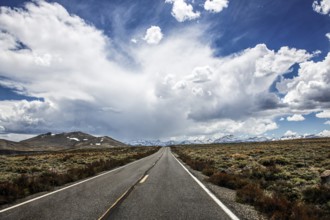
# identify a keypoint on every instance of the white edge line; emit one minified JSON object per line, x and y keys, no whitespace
{"x":144,"y":179}
{"x":224,"y":208}
{"x":67,"y":187}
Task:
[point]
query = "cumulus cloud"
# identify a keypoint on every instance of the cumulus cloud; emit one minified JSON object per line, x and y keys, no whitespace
{"x":19,"y":116}
{"x":201,"y":74}
{"x":322,"y":6}
{"x":324,"y":133}
{"x":178,"y":83}
{"x":323,"y":114}
{"x":280,"y":62}
{"x":327,"y":123}
{"x":328,"y":36}
{"x":295,"y":117}
{"x":153,"y":35}
{"x":311,"y":88}
{"x":182,"y":11}
{"x":290,"y":133}
{"x":215,"y":6}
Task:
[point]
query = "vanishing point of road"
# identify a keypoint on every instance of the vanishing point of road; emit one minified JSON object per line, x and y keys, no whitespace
{"x":155,"y":187}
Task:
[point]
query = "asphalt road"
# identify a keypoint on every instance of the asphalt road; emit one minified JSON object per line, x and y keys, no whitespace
{"x":160,"y":188}
{"x":168,"y":192}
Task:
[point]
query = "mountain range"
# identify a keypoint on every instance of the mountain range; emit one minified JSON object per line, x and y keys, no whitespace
{"x":224,"y":139}
{"x":62,"y":141}
{"x":80,"y":140}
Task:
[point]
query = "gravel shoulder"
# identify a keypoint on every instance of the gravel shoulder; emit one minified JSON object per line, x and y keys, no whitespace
{"x":227,"y":196}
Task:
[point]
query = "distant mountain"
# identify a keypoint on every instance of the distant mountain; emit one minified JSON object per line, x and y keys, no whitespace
{"x":312,"y":136}
{"x":257,"y":139}
{"x":71,"y":140}
{"x":6,"y":145}
{"x":195,"y":141}
{"x":291,"y":137}
{"x":149,"y":143}
{"x":224,"y":139}
{"x":62,"y":141}
{"x":104,"y":141}
{"x":227,"y":139}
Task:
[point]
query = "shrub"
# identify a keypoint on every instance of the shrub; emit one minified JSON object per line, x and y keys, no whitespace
{"x":228,"y":180}
{"x":249,"y":194}
{"x":273,"y":160}
{"x":208,"y":171}
{"x":317,"y":195}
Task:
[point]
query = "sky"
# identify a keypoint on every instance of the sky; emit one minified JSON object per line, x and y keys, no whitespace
{"x":165,"y":69}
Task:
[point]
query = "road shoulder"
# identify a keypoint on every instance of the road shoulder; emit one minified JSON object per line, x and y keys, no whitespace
{"x":227,"y":196}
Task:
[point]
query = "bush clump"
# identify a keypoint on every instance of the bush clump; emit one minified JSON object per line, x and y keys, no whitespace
{"x":228,"y":180}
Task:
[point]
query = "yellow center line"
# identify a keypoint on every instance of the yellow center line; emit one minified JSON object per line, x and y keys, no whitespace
{"x":144,"y":179}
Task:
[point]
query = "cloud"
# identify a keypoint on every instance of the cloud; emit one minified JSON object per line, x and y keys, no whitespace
{"x":178,"y":84}
{"x":295,"y":117}
{"x":290,"y":133}
{"x":324,"y":133}
{"x":328,"y":36}
{"x":311,"y":88}
{"x":215,"y":6}
{"x":322,"y":6}
{"x":182,"y":11}
{"x":18,"y":116}
{"x":323,"y":114}
{"x":327,"y":123}
{"x":280,"y":62}
{"x":16,"y":137}
{"x":201,"y":74}
{"x":153,"y":35}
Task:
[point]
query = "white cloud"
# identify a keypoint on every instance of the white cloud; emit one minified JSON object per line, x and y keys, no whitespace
{"x":323,"y":114}
{"x":282,"y":119}
{"x":16,"y":137}
{"x":24,"y":115}
{"x":324,"y":133}
{"x":327,"y":123}
{"x":197,"y":91}
{"x":322,"y":6}
{"x":182,"y":11}
{"x":328,"y":36}
{"x":311,"y":88}
{"x":280,"y":62}
{"x":201,"y":74}
{"x":290,"y":133}
{"x":86,"y":88}
{"x":134,"y":41}
{"x":180,"y":85}
{"x":296,"y":117}
{"x":153,"y":35}
{"x":215,"y":5}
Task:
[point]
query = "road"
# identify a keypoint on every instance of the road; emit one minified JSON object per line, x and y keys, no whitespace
{"x":160,"y":188}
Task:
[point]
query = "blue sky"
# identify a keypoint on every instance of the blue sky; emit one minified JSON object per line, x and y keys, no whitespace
{"x":167,"y":69}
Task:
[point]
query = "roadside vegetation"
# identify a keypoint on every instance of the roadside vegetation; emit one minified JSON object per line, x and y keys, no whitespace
{"x":281,"y":179}
{"x":23,"y":175}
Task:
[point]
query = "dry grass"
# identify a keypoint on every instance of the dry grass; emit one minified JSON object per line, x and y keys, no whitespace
{"x":22,"y":175}
{"x":279,"y":178}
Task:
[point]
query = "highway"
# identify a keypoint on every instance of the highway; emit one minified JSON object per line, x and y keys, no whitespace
{"x":155,"y":187}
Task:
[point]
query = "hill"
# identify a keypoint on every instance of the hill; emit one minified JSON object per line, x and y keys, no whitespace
{"x":62,"y":141}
